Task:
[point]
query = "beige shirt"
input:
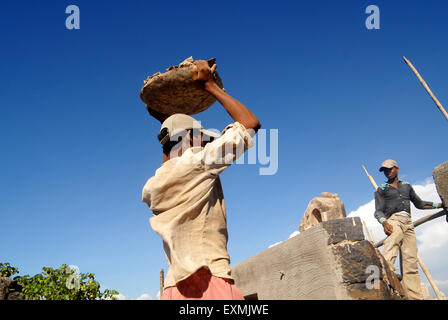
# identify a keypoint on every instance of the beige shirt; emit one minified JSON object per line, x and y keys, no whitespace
{"x":186,"y":197}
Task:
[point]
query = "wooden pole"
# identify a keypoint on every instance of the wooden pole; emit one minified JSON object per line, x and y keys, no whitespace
{"x":368,"y":232}
{"x":161,"y":282}
{"x":422,"y":265}
{"x":423,"y":82}
{"x":370,"y":178}
{"x":431,"y":280}
{"x":401,"y":263}
{"x":429,"y":218}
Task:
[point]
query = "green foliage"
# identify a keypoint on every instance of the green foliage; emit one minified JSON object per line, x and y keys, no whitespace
{"x":60,"y":284}
{"x":6,"y":270}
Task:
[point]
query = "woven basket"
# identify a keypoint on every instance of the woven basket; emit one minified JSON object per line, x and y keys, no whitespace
{"x":175,"y":91}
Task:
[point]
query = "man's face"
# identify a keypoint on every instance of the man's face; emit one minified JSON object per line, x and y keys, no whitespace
{"x":391,"y":173}
{"x":197,"y":140}
{"x":193,"y":140}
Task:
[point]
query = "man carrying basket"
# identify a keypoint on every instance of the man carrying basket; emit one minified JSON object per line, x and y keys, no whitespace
{"x":187,"y":200}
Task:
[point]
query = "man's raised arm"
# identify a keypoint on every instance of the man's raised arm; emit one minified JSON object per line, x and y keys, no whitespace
{"x":238,"y":111}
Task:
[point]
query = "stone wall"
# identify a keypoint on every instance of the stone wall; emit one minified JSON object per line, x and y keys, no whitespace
{"x":328,"y":261}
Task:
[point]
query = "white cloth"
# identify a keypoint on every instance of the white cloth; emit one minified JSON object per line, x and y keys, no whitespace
{"x":186,"y":197}
{"x":403,"y":213}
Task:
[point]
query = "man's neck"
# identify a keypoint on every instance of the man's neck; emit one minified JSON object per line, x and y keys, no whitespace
{"x":394,"y":181}
{"x":175,"y":154}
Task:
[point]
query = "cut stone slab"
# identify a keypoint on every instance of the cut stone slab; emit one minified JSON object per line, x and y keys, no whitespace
{"x":329,"y":261}
{"x":440,"y":175}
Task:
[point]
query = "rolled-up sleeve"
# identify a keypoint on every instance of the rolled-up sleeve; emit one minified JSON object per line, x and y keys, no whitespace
{"x":222,"y":152}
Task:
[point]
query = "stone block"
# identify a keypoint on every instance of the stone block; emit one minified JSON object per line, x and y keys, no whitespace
{"x":328,"y":261}
{"x":324,"y":208}
{"x":440,"y":175}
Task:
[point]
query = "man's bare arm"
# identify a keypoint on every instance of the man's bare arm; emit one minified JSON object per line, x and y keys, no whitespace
{"x":420,"y":204}
{"x":238,"y":111}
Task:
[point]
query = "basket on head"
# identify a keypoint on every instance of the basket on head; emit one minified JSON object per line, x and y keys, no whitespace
{"x":175,"y":91}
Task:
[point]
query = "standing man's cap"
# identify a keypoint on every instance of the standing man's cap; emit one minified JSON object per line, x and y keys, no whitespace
{"x":389,"y":163}
{"x":181,"y":122}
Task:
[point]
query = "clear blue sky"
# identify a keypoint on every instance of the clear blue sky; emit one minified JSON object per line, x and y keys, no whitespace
{"x":77,"y":144}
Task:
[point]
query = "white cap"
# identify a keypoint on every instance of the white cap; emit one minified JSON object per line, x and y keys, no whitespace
{"x":181,"y":122}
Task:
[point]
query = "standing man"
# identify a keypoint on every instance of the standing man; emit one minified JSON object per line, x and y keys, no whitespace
{"x":393,"y":211}
{"x":187,"y":200}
